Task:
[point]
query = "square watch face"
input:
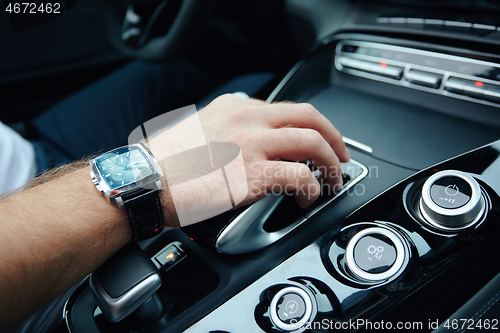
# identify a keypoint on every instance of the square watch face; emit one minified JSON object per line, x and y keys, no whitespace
{"x":123,"y":167}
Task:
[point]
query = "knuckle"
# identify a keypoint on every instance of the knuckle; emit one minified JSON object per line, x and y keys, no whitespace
{"x":223,"y":100}
{"x":309,"y":110}
{"x":225,"y":97}
{"x":314,"y":139}
{"x":219,"y":99}
{"x":282,"y":137}
{"x":236,"y":113}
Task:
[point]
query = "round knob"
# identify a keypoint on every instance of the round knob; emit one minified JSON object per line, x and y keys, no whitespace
{"x":376,"y":254}
{"x":451,"y":200}
{"x":291,"y":308}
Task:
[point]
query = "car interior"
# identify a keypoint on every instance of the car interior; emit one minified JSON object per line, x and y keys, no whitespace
{"x":408,"y":243}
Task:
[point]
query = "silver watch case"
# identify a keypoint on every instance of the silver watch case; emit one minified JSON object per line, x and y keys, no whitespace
{"x":152,"y":181}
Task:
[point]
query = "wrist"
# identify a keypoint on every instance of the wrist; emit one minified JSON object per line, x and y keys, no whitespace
{"x":98,"y":203}
{"x":130,"y":177}
{"x":168,"y":207}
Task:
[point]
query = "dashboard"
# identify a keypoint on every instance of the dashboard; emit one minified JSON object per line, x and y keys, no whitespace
{"x":433,"y":72}
{"x":409,"y":242}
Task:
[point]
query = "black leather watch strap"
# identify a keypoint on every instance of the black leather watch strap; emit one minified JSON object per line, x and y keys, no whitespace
{"x":144,"y":213}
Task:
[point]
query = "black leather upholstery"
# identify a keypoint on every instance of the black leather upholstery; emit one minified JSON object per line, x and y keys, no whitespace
{"x":483,"y":307}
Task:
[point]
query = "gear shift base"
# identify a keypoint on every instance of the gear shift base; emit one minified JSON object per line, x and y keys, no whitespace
{"x":125,"y":283}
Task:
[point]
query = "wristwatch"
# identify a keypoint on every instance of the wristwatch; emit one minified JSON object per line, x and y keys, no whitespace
{"x":130,"y":176}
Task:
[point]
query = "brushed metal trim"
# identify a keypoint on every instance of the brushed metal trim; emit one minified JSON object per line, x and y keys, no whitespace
{"x":431,"y":221}
{"x":284,"y":81}
{"x":408,"y":84}
{"x":456,"y":218}
{"x":352,"y":183}
{"x":370,"y":66}
{"x":434,"y":80}
{"x":357,"y":144}
{"x":116,"y":309}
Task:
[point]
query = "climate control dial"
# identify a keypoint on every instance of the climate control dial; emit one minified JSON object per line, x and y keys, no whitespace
{"x":376,"y":254}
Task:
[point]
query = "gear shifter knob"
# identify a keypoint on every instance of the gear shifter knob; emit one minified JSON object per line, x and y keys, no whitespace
{"x":125,"y":282}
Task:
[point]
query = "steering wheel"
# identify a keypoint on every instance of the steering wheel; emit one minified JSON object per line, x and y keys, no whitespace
{"x":157,"y":30}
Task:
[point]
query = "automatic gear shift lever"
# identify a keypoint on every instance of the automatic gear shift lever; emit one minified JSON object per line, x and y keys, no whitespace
{"x":127,"y":282}
{"x":244,"y":230}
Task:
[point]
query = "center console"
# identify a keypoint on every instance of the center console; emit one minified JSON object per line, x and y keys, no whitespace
{"x":384,"y":259}
{"x":409,"y":240}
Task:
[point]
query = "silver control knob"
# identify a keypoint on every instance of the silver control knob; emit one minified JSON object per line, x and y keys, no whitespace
{"x":376,"y":254}
{"x":291,"y":308}
{"x":451,"y":200}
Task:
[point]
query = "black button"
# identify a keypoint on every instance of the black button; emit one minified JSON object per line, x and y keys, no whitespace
{"x":290,"y":308}
{"x":451,"y":192}
{"x":375,"y":253}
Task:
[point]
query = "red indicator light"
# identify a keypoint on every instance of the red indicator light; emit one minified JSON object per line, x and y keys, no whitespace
{"x":114,"y":192}
{"x":170,"y":255}
{"x":383,"y":64}
{"x":479,"y":83}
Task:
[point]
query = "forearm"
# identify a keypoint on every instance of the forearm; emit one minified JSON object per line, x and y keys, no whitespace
{"x":56,"y":233}
{"x":52,"y":236}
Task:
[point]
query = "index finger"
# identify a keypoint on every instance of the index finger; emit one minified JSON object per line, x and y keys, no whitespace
{"x":304,"y":115}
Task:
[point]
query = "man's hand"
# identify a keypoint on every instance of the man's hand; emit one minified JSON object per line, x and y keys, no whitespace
{"x":56,"y":233}
{"x":267,"y":134}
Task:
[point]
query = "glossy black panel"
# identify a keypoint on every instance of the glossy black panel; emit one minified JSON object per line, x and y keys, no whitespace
{"x":442,"y":270}
{"x":448,"y":266}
